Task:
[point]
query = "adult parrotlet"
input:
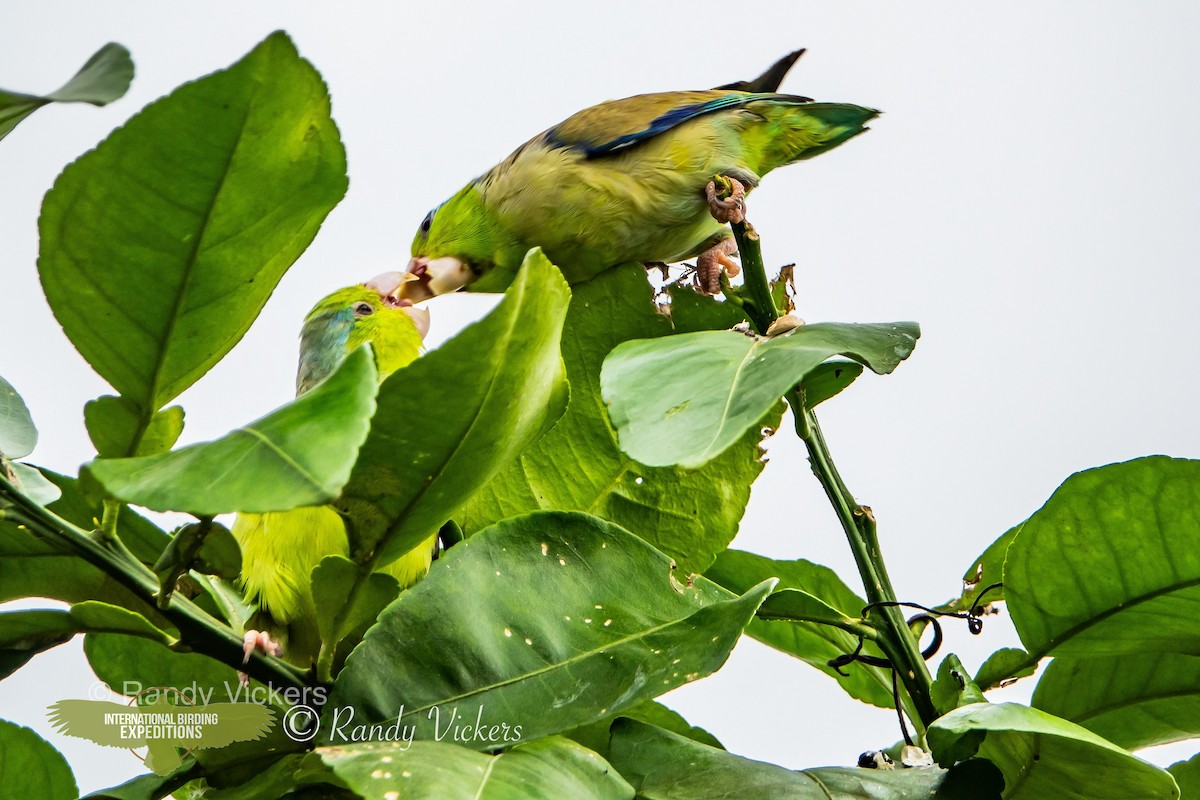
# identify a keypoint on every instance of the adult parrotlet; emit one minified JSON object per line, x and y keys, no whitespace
{"x":627,"y":180}
{"x":280,"y":549}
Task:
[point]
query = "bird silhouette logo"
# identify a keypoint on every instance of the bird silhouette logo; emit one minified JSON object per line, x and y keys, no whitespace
{"x":168,"y":732}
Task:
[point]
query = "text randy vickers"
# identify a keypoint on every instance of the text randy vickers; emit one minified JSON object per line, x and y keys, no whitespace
{"x":445,"y":727}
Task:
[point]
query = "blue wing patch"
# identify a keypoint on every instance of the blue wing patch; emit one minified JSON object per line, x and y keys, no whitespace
{"x":666,"y":122}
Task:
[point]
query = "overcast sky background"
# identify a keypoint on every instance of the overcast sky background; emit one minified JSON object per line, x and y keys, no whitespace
{"x":1030,"y":196}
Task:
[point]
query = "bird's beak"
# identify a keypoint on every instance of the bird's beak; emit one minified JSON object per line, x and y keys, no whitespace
{"x":434,"y":276}
{"x":390,"y":286}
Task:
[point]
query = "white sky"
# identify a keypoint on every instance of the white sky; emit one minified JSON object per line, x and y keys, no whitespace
{"x":1030,"y":196}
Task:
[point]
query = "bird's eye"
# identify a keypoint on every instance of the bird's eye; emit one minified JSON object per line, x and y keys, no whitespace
{"x":363,"y":310}
{"x":425,"y":223}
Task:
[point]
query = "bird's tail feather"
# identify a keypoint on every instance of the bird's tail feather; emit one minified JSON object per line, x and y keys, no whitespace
{"x":770,"y":80}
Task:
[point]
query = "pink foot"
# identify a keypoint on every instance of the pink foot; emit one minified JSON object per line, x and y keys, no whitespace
{"x":257,"y":640}
{"x":712,"y":261}
{"x":729,"y":209}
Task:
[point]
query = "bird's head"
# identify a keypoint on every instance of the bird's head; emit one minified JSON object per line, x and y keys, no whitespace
{"x":452,"y":247}
{"x":348,"y":318}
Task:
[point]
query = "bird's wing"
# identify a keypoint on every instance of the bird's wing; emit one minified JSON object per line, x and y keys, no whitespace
{"x":770,"y":80}
{"x":618,"y":124}
{"x":236,"y":722}
{"x":85,"y":719}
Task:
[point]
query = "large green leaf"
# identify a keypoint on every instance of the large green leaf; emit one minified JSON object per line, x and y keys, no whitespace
{"x":104,"y":78}
{"x":1134,"y":700}
{"x":452,"y":419}
{"x":689,"y":514}
{"x":298,"y":455}
{"x":686,"y":399}
{"x":1187,"y":775}
{"x":25,"y":633}
{"x":664,"y":766}
{"x":129,"y":664}
{"x":160,"y":247}
{"x":812,"y":643}
{"x":540,"y":623}
{"x":29,"y":767}
{"x":1044,"y":757}
{"x":552,"y":769}
{"x":17,"y":433}
{"x":595,"y":735}
{"x":1111,"y":563}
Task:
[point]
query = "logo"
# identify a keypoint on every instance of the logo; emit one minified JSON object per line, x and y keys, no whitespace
{"x":164,"y":721}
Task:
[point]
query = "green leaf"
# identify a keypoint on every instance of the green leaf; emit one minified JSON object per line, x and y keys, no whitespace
{"x":690,"y":310}
{"x":298,"y":455}
{"x":1111,"y":563}
{"x":332,"y":587}
{"x":18,"y":436}
{"x":828,"y":380}
{"x":129,"y":664}
{"x":24,"y":634}
{"x":160,"y":247}
{"x":690,"y":515}
{"x":269,"y":782}
{"x":113,"y":424}
{"x":184,"y":553}
{"x":32,"y":567}
{"x":145,"y":539}
{"x":595,"y":735}
{"x":795,"y":605}
{"x":1187,"y":775}
{"x":686,"y":399}
{"x":146,"y":787}
{"x":985,"y":571}
{"x":219,"y":554}
{"x":1043,"y":756}
{"x":554,"y":620}
{"x":29,"y":767}
{"x":664,"y":766}
{"x":1133,"y":701}
{"x":954,"y":687}
{"x":810,"y":642}
{"x":1007,"y":663}
{"x":33,"y":484}
{"x":552,"y":769}
{"x":453,"y":418}
{"x":92,"y":616}
{"x":104,"y":78}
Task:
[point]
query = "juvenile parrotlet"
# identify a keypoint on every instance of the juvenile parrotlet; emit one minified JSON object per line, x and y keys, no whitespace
{"x":627,"y":180}
{"x":280,"y":549}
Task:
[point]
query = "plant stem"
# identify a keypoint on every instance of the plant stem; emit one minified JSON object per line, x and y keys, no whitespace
{"x":896,"y":640}
{"x":108,"y":536}
{"x":197,"y":629}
